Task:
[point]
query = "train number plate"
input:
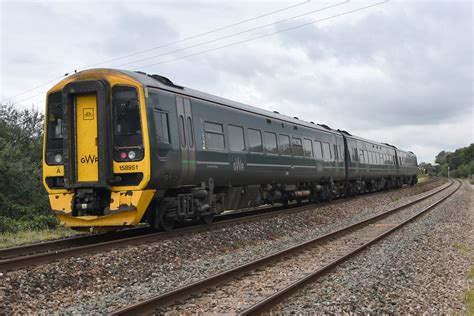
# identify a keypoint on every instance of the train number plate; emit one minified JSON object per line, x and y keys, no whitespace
{"x":128,"y":168}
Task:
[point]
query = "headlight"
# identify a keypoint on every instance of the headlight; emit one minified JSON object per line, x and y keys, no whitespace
{"x":131,"y":155}
{"x":58,"y":158}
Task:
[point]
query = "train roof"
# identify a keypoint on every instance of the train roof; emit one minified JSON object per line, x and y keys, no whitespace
{"x":166,"y":84}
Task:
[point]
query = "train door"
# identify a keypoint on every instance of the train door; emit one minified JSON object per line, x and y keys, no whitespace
{"x":86,"y":138}
{"x":87,"y":160}
{"x":186,"y":139}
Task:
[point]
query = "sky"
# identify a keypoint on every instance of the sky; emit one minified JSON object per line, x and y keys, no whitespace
{"x":392,"y":71}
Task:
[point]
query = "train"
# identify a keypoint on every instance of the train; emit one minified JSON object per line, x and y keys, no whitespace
{"x":123,"y":148}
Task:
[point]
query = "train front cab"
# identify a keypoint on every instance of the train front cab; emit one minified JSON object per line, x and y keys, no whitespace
{"x":96,"y":151}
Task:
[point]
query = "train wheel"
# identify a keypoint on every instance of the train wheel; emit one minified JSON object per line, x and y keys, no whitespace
{"x":166,"y":223}
{"x":206,"y":219}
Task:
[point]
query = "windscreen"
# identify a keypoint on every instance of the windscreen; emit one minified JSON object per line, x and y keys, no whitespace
{"x":126,"y":113}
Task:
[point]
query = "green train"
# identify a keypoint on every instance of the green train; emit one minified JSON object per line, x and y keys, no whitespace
{"x":123,"y":147}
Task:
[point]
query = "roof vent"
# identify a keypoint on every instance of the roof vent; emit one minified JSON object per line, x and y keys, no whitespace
{"x":276,"y":112}
{"x":389,"y":145}
{"x":344,"y":132}
{"x":295,"y":117}
{"x":312,"y":122}
{"x":325,"y":126}
{"x":165,"y":81}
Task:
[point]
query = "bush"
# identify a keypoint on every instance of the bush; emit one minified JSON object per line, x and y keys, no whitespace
{"x":40,"y":222}
{"x":8,"y":225}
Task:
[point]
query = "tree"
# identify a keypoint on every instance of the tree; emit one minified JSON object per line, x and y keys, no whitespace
{"x":21,"y":190}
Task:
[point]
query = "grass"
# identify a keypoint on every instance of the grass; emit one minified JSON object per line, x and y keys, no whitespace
{"x":461,"y":248}
{"x":31,"y":236}
{"x":422,"y":178}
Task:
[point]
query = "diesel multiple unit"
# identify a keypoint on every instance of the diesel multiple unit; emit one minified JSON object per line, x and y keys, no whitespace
{"x":124,"y":147}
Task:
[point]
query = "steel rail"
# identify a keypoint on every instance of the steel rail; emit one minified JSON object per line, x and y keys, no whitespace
{"x":162,"y":300}
{"x":274,"y":299}
{"x":53,"y":254}
{"x":72,"y":241}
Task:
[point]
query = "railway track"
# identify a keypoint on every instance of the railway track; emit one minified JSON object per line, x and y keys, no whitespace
{"x":257,"y":286}
{"x":15,"y":258}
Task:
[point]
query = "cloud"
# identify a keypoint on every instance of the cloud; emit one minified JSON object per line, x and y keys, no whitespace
{"x":401,"y":72}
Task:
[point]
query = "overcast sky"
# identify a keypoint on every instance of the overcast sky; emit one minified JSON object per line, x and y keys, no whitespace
{"x":398,"y":72}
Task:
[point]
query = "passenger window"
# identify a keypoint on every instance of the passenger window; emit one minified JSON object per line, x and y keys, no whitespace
{"x":336,"y":153}
{"x":236,"y":138}
{"x":308,"y":147}
{"x":362,"y":157}
{"x":297,"y":147}
{"x":341,"y":153}
{"x":255,"y":140}
{"x":271,"y":143}
{"x":317,"y":150}
{"x":161,"y":126}
{"x":326,"y":152}
{"x":214,"y":136}
{"x":285,"y":145}
{"x":355,"y":156}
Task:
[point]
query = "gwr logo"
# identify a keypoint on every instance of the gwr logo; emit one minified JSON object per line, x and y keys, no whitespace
{"x":89,"y":159}
{"x":88,"y":114}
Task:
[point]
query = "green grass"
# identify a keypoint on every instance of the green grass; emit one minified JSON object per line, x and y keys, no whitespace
{"x":461,"y":248}
{"x":10,"y":239}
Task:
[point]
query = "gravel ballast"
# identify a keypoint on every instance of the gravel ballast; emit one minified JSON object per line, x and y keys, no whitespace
{"x":422,"y":268}
{"x":103,"y":282}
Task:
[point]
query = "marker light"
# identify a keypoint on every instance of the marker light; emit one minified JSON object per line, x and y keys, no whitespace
{"x":58,"y":158}
{"x":131,"y":155}
{"x":123,"y":155}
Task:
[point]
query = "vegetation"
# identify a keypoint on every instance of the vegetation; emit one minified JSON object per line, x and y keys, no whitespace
{"x":23,"y":200}
{"x":20,"y":237}
{"x":460,"y":163}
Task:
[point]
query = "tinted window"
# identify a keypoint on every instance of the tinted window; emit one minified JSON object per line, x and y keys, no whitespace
{"x":355,"y":157}
{"x":236,"y":138}
{"x":317,"y":150}
{"x":297,"y":147}
{"x":126,"y":111}
{"x":336,"y":154}
{"x":255,"y":140}
{"x":214,"y":136}
{"x":308,"y":147}
{"x":327,"y":152}
{"x":285,"y":145}
{"x":362,"y":157}
{"x":271,"y":143}
{"x":55,"y":122}
{"x":161,"y":126}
